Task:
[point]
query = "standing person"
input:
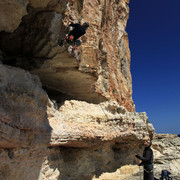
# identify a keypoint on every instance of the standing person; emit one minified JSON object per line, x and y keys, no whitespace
{"x":147,"y":160}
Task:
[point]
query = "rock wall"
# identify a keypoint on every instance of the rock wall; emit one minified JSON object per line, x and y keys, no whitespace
{"x":101,"y":69}
{"x":68,"y":116}
{"x":76,"y":140}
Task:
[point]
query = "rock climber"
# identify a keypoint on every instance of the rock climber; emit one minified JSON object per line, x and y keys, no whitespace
{"x":77,"y":31}
{"x":147,"y":160}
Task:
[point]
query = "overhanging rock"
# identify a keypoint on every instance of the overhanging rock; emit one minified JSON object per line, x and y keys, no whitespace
{"x":101,"y":69}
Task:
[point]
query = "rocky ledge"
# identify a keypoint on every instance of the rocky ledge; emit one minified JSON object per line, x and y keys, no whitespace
{"x":52,"y":139}
{"x":26,"y":108}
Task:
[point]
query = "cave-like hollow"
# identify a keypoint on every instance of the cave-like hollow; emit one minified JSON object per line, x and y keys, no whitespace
{"x":33,"y":46}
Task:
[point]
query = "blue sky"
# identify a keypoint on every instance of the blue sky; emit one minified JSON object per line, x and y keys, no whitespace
{"x":154,"y":36}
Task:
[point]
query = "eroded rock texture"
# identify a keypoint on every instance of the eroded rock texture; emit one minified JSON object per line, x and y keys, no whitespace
{"x":23,"y":109}
{"x":167,"y":154}
{"x":101,"y":69}
{"x":67,"y":116}
{"x":11,"y":13}
{"x":76,"y":140}
{"x":166,"y":148}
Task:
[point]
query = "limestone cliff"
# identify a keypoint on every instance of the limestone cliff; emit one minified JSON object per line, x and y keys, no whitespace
{"x":67,"y":116}
{"x":77,"y":140}
{"x":101,"y":70}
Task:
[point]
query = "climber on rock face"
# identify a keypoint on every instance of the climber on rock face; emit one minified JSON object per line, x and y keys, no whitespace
{"x":77,"y":31}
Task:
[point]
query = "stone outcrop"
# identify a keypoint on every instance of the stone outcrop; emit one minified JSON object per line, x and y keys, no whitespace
{"x":77,"y":140}
{"x":101,"y":69}
{"x":166,"y":148}
{"x":23,"y":109}
{"x":12,"y":12}
{"x":27,"y":113}
{"x":70,"y":116}
{"x":80,"y":124}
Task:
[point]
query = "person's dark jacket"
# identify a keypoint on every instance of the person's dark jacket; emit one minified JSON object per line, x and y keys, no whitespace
{"x":147,"y":158}
{"x":78,"y":31}
{"x":147,"y":162}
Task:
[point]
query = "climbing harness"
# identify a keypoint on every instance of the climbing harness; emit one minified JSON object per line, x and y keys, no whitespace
{"x":145,"y":171}
{"x":148,"y":171}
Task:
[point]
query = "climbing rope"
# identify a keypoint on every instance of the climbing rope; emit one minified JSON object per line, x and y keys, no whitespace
{"x":140,"y":172}
{"x":103,"y":110}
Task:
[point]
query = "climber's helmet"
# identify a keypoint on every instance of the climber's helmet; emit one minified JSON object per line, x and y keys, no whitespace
{"x":86,"y":25}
